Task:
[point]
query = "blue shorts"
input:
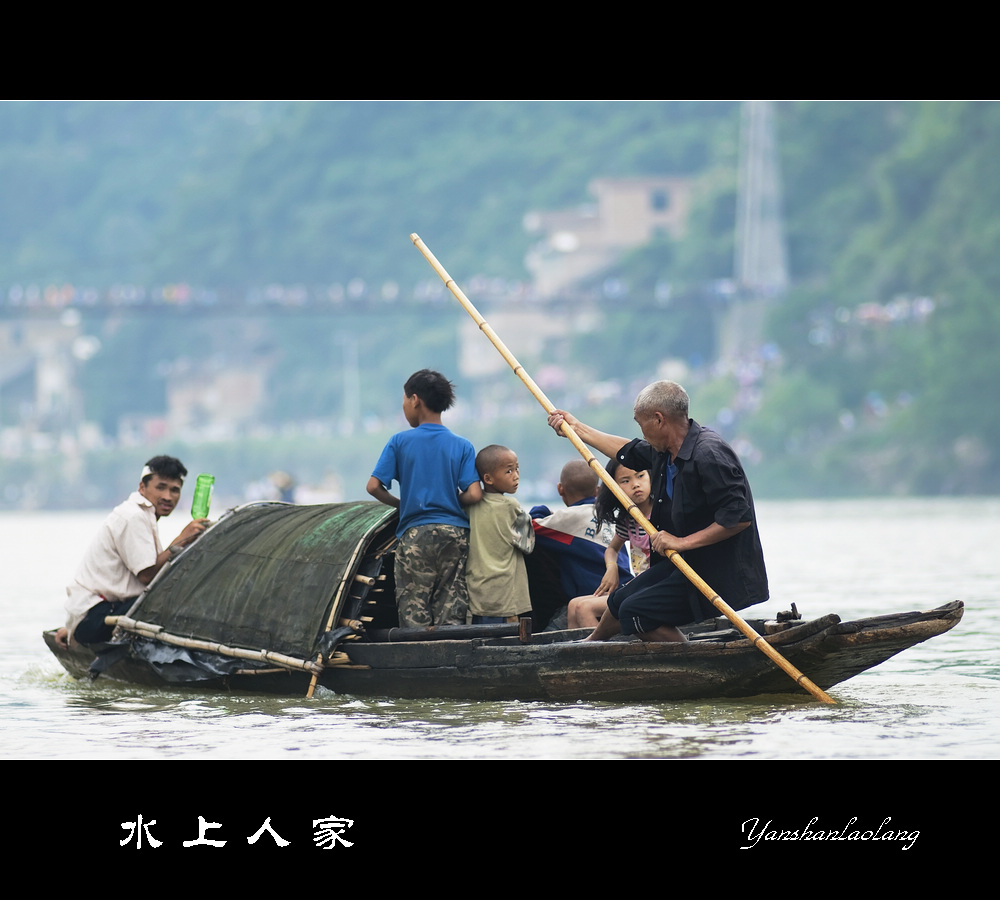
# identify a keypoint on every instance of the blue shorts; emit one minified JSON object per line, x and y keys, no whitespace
{"x":493,"y":620}
{"x":661,"y":595}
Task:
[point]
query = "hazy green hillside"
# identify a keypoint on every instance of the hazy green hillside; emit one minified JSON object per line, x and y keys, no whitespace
{"x":911,"y":224}
{"x":886,"y":343}
{"x":879,"y":368}
{"x":237,"y":194}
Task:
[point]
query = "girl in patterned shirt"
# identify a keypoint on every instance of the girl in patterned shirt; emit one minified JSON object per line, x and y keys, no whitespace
{"x":585,"y":612}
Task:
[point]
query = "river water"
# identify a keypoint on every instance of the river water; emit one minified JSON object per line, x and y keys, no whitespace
{"x":939,"y":700}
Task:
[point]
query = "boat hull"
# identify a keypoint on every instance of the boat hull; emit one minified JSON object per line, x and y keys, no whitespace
{"x":716,"y":662}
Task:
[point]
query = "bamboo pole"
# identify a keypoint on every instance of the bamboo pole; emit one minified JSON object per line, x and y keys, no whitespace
{"x":759,"y":642}
{"x":145,"y":629}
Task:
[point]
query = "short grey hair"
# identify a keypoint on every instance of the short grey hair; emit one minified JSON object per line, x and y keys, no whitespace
{"x":666,"y":397}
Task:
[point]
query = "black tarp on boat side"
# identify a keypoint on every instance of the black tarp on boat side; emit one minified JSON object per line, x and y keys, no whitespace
{"x":265,"y":575}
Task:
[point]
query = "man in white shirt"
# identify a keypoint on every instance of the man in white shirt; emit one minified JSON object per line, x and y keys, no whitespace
{"x":126,"y":554}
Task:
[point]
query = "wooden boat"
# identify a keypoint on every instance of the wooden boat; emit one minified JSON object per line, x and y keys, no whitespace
{"x":312,"y":586}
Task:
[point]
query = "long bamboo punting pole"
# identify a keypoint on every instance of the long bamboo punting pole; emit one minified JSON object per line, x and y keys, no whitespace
{"x":602,"y":473}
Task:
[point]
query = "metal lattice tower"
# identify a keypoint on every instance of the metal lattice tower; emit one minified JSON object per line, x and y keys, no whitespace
{"x":761,"y":266}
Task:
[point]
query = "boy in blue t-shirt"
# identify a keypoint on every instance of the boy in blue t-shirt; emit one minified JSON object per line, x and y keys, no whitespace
{"x":436,"y":472}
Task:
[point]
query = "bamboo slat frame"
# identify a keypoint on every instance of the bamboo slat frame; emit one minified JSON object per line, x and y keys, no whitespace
{"x":757,"y":640}
{"x":337,"y":602}
{"x":145,"y":629}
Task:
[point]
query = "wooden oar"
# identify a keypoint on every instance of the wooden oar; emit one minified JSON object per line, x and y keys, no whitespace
{"x":602,"y":473}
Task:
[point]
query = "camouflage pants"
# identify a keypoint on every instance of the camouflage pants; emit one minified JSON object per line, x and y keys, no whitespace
{"x":430,"y":576}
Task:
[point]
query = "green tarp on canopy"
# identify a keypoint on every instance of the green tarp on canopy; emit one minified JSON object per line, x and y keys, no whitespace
{"x":265,"y":576}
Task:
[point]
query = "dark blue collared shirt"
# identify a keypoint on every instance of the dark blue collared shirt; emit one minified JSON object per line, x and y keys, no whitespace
{"x":708,"y":486}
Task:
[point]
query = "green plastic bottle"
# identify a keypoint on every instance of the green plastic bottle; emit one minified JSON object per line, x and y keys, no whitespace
{"x":202,"y":496}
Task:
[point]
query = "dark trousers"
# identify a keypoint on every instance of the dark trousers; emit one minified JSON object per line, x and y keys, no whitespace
{"x":662,"y":595}
{"x":92,"y":629}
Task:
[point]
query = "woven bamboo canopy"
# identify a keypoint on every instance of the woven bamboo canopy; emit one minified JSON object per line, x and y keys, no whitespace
{"x":269,"y":576}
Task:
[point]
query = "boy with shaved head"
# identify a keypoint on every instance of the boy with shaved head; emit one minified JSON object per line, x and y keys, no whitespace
{"x":500,"y":536}
{"x":569,"y":549}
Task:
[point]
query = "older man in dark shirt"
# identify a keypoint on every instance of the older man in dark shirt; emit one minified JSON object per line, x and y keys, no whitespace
{"x":702,"y":508}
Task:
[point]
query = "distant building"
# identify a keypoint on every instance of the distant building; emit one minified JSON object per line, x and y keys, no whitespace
{"x":222,"y":401}
{"x":580,"y":243}
{"x":38,"y":359}
{"x":530,"y":330}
